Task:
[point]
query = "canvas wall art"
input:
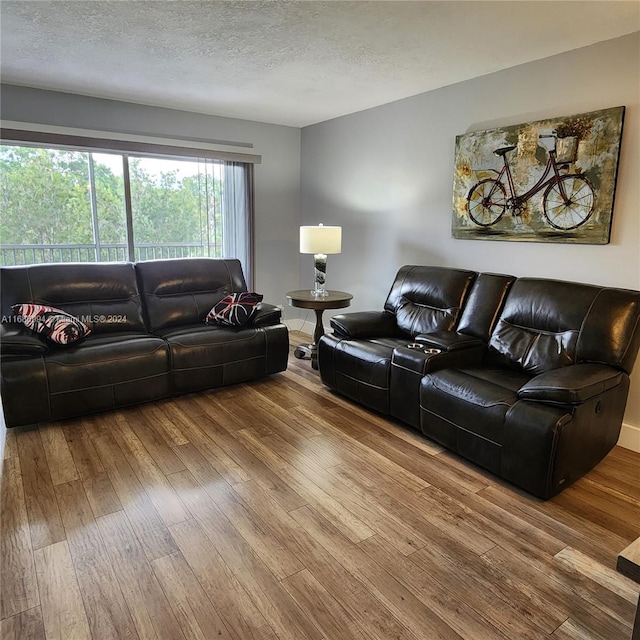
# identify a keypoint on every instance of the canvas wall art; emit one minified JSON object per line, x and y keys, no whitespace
{"x":547,"y":181}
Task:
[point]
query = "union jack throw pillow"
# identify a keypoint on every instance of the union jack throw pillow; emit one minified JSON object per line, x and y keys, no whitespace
{"x":234,"y":310}
{"x":55,"y":324}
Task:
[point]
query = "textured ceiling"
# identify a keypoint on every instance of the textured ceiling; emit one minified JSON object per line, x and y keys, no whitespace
{"x":293,"y":63}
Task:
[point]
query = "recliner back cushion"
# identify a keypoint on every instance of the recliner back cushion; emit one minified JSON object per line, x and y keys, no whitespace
{"x":426,"y":299}
{"x":540,"y":324}
{"x":611,"y":332}
{"x":183,"y":291}
{"x":533,"y":351}
{"x":104,"y":296}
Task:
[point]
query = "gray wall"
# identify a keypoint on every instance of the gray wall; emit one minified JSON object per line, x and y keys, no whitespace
{"x":386,"y":176}
{"x":277,"y":178}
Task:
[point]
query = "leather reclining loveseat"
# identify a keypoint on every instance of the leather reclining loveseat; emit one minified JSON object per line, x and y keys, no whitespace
{"x":148,"y":337}
{"x":525,"y":377}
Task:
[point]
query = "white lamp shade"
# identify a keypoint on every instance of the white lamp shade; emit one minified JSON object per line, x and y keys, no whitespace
{"x":320,"y":239}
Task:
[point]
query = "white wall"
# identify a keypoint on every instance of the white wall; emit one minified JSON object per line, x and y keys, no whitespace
{"x":386,"y":176}
{"x":277,"y":178}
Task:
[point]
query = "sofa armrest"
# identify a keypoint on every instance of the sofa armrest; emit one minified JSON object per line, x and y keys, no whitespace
{"x":449,"y":340}
{"x":571,"y":385}
{"x":365,"y":324}
{"x":266,"y":315}
{"x":17,"y":340}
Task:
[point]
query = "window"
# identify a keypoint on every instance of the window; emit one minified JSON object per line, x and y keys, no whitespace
{"x":61,"y":205}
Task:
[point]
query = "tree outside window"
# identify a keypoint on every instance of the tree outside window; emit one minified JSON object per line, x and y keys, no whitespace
{"x":59,"y":205}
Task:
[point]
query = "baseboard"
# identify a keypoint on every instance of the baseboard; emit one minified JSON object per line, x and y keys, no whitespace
{"x":303,"y":326}
{"x":630,"y":437}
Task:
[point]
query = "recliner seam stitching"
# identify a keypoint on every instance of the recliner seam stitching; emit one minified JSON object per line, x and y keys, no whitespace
{"x":478,"y":435}
{"x":126,"y":357}
{"x":109,"y":385}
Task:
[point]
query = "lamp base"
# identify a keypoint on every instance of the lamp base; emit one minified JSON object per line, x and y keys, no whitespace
{"x":320,"y":272}
{"x":304,"y":351}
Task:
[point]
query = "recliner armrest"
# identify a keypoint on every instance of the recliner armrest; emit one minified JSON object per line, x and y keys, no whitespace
{"x":448,"y":340}
{"x":17,"y":340}
{"x":574,"y":384}
{"x":266,"y":314}
{"x":365,"y":324}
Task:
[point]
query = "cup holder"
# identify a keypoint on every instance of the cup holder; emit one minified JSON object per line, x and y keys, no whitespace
{"x":420,"y":346}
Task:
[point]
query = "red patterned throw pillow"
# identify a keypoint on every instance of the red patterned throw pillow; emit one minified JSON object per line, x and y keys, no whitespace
{"x":55,"y":324}
{"x":234,"y":310}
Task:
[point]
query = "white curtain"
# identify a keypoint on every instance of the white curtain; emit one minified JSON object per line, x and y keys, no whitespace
{"x":237,"y":216}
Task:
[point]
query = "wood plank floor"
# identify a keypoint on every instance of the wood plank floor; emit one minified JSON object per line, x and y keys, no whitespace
{"x":278,"y":510}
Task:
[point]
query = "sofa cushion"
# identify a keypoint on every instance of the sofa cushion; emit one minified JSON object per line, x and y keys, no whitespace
{"x":198,"y":345}
{"x":532,"y":350}
{"x":105,"y":372}
{"x":54,"y":324}
{"x":475,"y":400}
{"x":103,"y":296}
{"x":427,"y":299}
{"x":206,"y":356}
{"x":234,"y":310}
{"x":101,"y":360}
{"x":182,"y":292}
{"x":540,"y":324}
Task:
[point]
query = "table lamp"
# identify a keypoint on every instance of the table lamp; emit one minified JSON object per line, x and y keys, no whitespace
{"x":320,"y":241}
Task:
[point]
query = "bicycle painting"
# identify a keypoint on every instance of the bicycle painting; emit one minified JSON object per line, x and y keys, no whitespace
{"x":546,"y":181}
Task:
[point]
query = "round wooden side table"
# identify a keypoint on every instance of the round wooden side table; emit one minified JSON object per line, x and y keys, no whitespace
{"x":304,"y":299}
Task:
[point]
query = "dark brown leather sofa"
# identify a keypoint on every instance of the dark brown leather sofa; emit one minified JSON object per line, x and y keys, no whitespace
{"x":525,"y":377}
{"x":148,"y":337}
